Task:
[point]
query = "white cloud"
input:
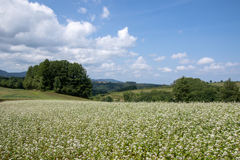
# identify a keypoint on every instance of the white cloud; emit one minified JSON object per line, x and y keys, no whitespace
{"x":123,"y":41}
{"x":105,"y":13}
{"x":30,"y":32}
{"x":78,"y":30}
{"x":82,"y":10}
{"x":213,"y":66}
{"x":109,"y":67}
{"x":132,"y":54}
{"x":159,"y":58}
{"x":179,"y":55}
{"x":165,"y":69}
{"x":230,"y":64}
{"x":190,"y":67}
{"x":140,"y":63}
{"x":184,"y":61}
{"x":205,"y":60}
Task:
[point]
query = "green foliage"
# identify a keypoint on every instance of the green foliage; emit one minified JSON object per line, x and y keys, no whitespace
{"x":132,"y":87}
{"x":181,"y":90}
{"x":230,"y":92}
{"x":106,"y":87}
{"x":12,"y":82}
{"x":60,"y":76}
{"x":107,"y":99}
{"x":190,"y":89}
{"x":57,"y":84}
{"x":152,"y":96}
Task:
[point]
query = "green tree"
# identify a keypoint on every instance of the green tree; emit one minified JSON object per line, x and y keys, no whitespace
{"x":128,"y":96}
{"x":60,"y":76}
{"x":107,"y":99}
{"x":28,"y":80}
{"x":181,"y":90}
{"x":44,"y":74}
{"x":57,"y":84}
{"x":209,"y":94}
{"x":229,"y":92}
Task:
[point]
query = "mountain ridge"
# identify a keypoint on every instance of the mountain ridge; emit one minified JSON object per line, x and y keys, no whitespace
{"x":23,"y":74}
{"x":12,"y":74}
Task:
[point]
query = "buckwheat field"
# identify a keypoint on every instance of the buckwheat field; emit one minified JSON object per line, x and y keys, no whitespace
{"x":96,"y":130}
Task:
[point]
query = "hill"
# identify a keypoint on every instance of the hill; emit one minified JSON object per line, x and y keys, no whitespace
{"x":119,"y":95}
{"x":106,"y":80}
{"x":13,"y":74}
{"x":220,"y":84}
{"x":21,"y":94}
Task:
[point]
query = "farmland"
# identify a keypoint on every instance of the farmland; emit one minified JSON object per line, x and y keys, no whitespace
{"x":51,"y":129}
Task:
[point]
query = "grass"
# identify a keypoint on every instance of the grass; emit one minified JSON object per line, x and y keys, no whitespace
{"x":119,"y":95}
{"x":50,"y":129}
{"x":220,"y":84}
{"x":21,"y":94}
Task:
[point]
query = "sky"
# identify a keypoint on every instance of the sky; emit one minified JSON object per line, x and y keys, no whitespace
{"x":154,"y":41}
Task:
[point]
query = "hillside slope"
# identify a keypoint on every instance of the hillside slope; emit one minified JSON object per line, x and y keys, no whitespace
{"x":119,"y":95}
{"x":21,"y":94}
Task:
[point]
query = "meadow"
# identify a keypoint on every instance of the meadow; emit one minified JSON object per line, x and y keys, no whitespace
{"x":22,"y":94}
{"x":55,"y":129}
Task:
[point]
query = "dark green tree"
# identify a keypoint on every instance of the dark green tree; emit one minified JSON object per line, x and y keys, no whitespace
{"x":60,"y":76}
{"x":229,"y":92}
{"x":209,"y":94}
{"x":181,"y":90}
{"x":28,"y":80}
{"x":57,"y":84}
{"x":45,"y":75}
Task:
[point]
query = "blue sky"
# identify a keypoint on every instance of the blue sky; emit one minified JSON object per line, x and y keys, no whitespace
{"x":154,"y":41}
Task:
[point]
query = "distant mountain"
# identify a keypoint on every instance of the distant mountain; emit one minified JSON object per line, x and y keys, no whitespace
{"x":106,"y":80}
{"x":13,"y":74}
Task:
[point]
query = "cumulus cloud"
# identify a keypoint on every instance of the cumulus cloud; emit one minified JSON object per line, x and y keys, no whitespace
{"x":181,"y":68}
{"x":30,"y":32}
{"x":159,"y":58}
{"x":105,"y":13}
{"x":179,"y":55}
{"x":140,"y":63}
{"x":213,"y":66}
{"x":123,"y":40}
{"x":165,"y":69}
{"x":205,"y":60}
{"x":78,"y":30}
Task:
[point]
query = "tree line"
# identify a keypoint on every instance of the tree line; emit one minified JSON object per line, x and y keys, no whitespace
{"x":61,"y":76}
{"x":12,"y":82}
{"x":189,"y":90}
